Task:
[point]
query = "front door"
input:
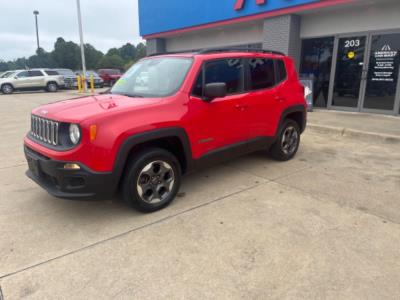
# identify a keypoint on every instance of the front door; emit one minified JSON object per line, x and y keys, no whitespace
{"x":349,"y":72}
{"x":383,"y":74}
{"x":366,"y":73}
{"x":221,"y":122}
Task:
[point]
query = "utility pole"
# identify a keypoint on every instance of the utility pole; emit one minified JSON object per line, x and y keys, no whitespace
{"x":36,"y":12}
{"x":78,"y":3}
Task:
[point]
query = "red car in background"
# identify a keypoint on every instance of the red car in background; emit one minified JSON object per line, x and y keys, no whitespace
{"x":110,"y":76}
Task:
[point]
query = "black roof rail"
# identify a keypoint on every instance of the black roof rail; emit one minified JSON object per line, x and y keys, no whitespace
{"x":175,"y":52}
{"x":214,"y":50}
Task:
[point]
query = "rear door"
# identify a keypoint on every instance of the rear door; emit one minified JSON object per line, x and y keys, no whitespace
{"x":36,"y":79}
{"x":219,"y":123}
{"x":263,"y":100}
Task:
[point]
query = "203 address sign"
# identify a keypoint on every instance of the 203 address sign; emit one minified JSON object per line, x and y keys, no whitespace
{"x":352,"y":43}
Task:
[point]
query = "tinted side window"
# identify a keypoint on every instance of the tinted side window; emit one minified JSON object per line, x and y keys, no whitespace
{"x":262,"y":73}
{"x":281,"y":73}
{"x":51,"y":73}
{"x":229,"y":71}
{"x":35,"y":73}
{"x":23,"y":74}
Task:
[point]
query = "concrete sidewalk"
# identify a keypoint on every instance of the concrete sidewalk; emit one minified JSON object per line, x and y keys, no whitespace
{"x":361,"y":125}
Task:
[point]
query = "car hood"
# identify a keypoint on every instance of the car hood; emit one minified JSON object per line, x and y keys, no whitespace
{"x":78,"y":110}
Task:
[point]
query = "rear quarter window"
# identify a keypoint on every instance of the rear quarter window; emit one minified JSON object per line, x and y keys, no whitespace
{"x":51,"y":73}
{"x":261,"y":73}
{"x":281,"y":73}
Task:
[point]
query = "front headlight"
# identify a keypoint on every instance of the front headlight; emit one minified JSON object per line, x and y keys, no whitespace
{"x":74,"y":133}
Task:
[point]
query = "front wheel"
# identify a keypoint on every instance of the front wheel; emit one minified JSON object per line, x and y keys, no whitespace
{"x":287,"y":144}
{"x":7,"y":89}
{"x":152,"y":180}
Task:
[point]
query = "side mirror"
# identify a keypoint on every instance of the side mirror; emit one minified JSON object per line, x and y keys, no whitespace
{"x":214,"y":90}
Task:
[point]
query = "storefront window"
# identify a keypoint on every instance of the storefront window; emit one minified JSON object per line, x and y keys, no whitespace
{"x":316,"y":63}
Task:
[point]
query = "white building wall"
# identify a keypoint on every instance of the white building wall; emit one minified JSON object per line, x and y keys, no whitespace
{"x":246,"y":33}
{"x":380,"y":16}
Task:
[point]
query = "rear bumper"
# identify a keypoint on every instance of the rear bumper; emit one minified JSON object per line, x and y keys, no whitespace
{"x":70,"y":184}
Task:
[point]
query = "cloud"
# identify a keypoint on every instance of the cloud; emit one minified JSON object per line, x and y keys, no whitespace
{"x":106,"y":24}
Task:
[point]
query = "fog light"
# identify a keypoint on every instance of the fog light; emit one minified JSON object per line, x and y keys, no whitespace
{"x":72,"y":167}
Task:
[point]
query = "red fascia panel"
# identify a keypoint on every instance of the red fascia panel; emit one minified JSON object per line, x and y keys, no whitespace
{"x":284,"y":11}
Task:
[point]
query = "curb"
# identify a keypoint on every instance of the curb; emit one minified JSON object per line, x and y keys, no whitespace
{"x":353,"y":133}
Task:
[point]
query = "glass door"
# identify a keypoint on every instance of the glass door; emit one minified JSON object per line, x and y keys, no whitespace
{"x":383,"y":73}
{"x":349,"y":72}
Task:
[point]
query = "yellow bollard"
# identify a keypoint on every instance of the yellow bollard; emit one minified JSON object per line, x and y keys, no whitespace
{"x":78,"y":78}
{"x":84,"y":85}
{"x":92,"y":83}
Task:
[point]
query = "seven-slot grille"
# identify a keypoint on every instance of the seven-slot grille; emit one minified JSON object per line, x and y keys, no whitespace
{"x":45,"y":130}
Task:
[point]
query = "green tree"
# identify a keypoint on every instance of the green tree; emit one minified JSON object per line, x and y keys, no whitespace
{"x":42,"y":59}
{"x":111,"y":61}
{"x":3,"y":66}
{"x":66,"y":54}
{"x":92,"y":56}
{"x":113,"y":51}
{"x":140,"y":51}
{"x":127,"y":52}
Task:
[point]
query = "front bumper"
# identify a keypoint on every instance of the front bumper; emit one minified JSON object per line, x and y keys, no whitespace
{"x":63,"y":183}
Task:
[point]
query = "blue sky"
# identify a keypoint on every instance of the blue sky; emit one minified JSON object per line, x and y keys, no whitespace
{"x":106,"y":24}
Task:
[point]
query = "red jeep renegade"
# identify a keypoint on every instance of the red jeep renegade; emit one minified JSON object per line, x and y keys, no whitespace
{"x":169,"y":114}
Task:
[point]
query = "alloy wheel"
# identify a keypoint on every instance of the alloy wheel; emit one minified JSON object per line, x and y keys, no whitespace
{"x":290,"y":140}
{"x":155,"y":182}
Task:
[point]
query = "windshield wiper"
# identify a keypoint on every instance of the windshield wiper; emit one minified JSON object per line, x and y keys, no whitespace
{"x":131,"y":95}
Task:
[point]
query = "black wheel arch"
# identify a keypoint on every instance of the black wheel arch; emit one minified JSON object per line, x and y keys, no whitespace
{"x":173,"y":139}
{"x":298,"y":113}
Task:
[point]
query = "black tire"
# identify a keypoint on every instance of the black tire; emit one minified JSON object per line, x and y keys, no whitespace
{"x":140,"y":185}
{"x":7,"y":89}
{"x":52,"y":87}
{"x":284,"y":149}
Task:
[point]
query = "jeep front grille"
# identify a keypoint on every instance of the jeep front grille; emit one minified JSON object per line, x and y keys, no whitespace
{"x":44,"y":130}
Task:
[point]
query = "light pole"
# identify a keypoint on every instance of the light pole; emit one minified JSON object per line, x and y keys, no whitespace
{"x":78,"y":4}
{"x":36,"y":12}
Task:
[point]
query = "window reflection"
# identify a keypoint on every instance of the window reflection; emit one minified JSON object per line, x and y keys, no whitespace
{"x":316,"y":63}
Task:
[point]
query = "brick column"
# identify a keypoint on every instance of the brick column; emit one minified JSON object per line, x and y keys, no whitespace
{"x":155,"y":46}
{"x":283,"y":34}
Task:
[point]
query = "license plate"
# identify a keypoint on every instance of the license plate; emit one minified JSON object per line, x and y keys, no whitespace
{"x":33,"y":166}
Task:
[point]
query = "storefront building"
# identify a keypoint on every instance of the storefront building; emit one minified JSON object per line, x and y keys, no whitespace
{"x":349,"y":48}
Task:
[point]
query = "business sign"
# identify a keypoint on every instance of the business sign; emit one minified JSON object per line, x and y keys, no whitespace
{"x":384,"y":64}
{"x":160,"y":16}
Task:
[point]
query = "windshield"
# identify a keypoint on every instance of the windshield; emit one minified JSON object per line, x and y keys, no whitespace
{"x":154,"y":77}
{"x":64,"y":72}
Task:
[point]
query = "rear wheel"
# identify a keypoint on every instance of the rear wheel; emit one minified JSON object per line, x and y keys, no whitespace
{"x":287,"y":144}
{"x":52,"y":87}
{"x":152,"y":180}
{"x":7,"y":89}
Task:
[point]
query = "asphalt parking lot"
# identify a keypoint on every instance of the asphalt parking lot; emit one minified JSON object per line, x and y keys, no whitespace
{"x":323,"y":226}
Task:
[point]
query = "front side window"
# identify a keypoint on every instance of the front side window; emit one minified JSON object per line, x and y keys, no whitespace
{"x":228,"y":71}
{"x":23,"y":74}
{"x":153,"y":77}
{"x":262,"y":74}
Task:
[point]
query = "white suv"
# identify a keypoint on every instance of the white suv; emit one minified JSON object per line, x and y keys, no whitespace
{"x":36,"y":79}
